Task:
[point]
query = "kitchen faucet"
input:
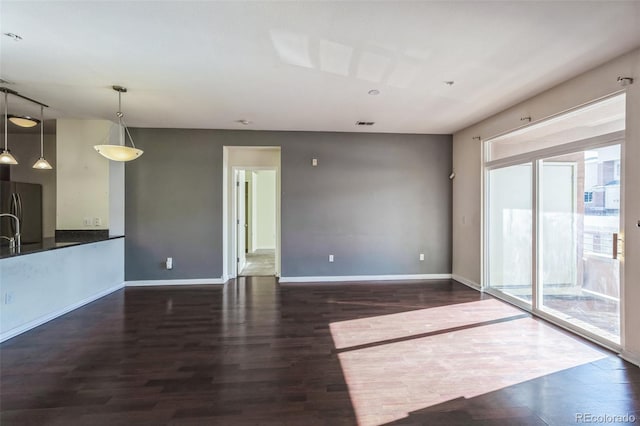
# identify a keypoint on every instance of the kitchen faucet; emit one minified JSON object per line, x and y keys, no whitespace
{"x":15,"y":240}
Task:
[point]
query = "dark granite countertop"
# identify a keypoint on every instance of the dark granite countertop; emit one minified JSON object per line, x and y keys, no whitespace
{"x":50,"y":244}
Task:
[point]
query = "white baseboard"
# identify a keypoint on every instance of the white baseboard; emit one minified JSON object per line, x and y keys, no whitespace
{"x":633,"y":358}
{"x":346,"y":278}
{"x":53,"y":315}
{"x":474,"y":285}
{"x":198,"y":281}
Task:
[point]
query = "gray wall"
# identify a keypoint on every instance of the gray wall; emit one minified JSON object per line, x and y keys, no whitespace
{"x":375,"y":201}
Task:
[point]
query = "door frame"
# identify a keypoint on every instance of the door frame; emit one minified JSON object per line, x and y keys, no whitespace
{"x":235,"y":215}
{"x":535,"y":158}
{"x":229,"y":215}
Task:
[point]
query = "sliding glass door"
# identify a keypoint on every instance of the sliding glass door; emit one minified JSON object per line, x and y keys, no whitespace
{"x":579,"y":220}
{"x":552,"y":218}
{"x":510,"y":231}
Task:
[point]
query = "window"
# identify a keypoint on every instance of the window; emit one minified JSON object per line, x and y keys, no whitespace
{"x":553,"y":212}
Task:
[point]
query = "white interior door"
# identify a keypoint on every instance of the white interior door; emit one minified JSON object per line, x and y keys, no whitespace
{"x":240,"y":220}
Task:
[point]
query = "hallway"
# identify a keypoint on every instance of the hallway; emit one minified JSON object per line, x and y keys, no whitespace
{"x":261,"y":263}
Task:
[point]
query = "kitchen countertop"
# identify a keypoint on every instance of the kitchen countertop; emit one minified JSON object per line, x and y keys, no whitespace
{"x":49,"y":244}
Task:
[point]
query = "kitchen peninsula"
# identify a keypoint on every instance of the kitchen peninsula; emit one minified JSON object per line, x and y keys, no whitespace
{"x":81,"y":257}
{"x":42,"y":282}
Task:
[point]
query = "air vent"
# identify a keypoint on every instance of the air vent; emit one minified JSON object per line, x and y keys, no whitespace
{"x":365,"y":123}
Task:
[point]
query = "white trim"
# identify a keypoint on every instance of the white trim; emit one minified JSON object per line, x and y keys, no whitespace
{"x":345,"y":278}
{"x":631,"y":357}
{"x":557,"y":114}
{"x":474,"y":285}
{"x":53,"y":315}
{"x":608,"y":139}
{"x":198,"y":281}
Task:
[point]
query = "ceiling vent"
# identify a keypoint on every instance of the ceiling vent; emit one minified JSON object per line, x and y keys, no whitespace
{"x":365,"y":123}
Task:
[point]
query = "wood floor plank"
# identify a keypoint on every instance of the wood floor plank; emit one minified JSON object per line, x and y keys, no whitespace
{"x":256,"y":352}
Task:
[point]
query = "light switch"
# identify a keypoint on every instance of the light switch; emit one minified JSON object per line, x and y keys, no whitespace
{"x":330,"y":258}
{"x":314,"y":162}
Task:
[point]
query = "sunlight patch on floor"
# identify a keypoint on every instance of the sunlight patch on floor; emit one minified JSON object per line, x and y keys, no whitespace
{"x":462,"y":350}
{"x":364,"y":331}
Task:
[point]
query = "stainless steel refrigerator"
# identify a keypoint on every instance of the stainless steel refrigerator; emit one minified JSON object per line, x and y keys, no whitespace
{"x":23,"y":200}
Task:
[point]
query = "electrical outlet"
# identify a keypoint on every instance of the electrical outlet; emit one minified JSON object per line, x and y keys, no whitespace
{"x":169,"y":263}
{"x":97,"y":221}
{"x":421,"y":256}
{"x":330,"y":258}
{"x":8,"y":298}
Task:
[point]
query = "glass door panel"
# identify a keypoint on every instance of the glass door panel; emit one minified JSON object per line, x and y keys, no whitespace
{"x":579,"y":213}
{"x":510,"y":230}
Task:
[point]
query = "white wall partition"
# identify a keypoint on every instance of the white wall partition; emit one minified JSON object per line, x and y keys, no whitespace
{"x":45,"y":285}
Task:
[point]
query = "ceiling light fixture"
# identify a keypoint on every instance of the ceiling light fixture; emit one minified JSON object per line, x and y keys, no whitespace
{"x":14,"y":37}
{"x":449,"y":82}
{"x":245,"y":122}
{"x":23,"y":120}
{"x":42,"y":164}
{"x":374,"y":92}
{"x":5,"y":156}
{"x":120,"y":152}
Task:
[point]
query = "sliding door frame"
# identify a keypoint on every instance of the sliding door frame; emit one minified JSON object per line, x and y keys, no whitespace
{"x":535,"y":158}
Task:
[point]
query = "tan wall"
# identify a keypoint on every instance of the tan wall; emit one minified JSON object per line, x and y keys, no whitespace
{"x":467,"y":186}
{"x":82,"y":174}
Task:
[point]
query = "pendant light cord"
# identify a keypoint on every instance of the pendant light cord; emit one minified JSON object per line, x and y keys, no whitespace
{"x":6,"y":116}
{"x":41,"y":131}
{"x":122,"y":123}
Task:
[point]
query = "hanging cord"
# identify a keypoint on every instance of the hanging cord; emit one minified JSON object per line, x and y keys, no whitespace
{"x":122,"y":123}
{"x":41,"y":131}
{"x":6,"y":114}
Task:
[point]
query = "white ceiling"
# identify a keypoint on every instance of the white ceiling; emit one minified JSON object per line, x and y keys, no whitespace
{"x":304,"y":65}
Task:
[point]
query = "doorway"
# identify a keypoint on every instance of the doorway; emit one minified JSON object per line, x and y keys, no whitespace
{"x":256,"y":222}
{"x":250,"y":237}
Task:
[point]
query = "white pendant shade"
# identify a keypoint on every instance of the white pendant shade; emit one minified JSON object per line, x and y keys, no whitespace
{"x":42,"y":164}
{"x":118,"y":152}
{"x":7,"y":158}
{"x":23,"y":121}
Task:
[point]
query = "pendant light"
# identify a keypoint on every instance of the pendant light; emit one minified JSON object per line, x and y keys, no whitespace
{"x":23,"y":120}
{"x":42,"y":164}
{"x":5,"y":156}
{"x":120,"y":152}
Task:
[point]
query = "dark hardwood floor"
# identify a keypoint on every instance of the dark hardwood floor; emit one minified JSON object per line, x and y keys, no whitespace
{"x":255,"y":352}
